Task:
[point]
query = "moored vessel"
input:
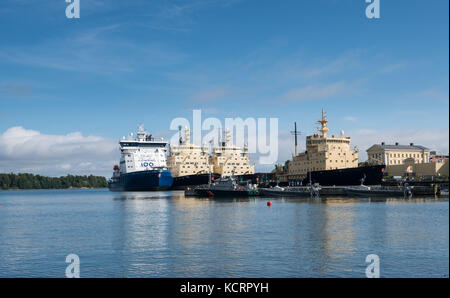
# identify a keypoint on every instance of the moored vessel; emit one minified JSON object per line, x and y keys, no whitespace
{"x":373,"y":175}
{"x":227,"y":187}
{"x":328,"y":160}
{"x":143,"y":164}
{"x":188,"y":163}
{"x":302,"y":191}
{"x":194,"y":165}
{"x":367,"y":191}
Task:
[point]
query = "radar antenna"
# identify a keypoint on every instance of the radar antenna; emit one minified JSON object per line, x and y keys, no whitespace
{"x":323,"y":123}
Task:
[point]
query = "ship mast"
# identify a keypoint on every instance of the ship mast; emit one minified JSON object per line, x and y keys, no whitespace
{"x":227,"y":137}
{"x":295,"y":133}
{"x":180,"y":139}
{"x":323,"y":122}
{"x":187,"y":136}
{"x":141,"y":132}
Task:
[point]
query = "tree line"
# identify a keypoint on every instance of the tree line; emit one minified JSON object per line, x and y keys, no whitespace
{"x":31,"y":181}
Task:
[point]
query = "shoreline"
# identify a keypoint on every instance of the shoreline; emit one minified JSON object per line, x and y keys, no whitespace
{"x":67,"y":188}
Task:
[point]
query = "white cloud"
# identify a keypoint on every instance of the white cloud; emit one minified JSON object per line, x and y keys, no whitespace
{"x":185,"y":8}
{"x":316,"y":92}
{"x":97,"y":50}
{"x":208,"y":95}
{"x":304,"y":68}
{"x":350,"y":118}
{"x":392,"y":68}
{"x":13,"y":89}
{"x":433,"y":94}
{"x":25,"y":150}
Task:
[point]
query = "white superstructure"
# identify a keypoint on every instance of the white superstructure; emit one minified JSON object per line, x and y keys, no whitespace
{"x":188,"y":159}
{"x":228,"y":160}
{"x":142,"y":153}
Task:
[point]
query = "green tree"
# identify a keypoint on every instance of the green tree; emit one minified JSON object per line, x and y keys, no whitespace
{"x":30,"y":181}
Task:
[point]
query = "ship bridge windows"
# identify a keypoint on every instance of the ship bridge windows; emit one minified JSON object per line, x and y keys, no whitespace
{"x":138,"y":144}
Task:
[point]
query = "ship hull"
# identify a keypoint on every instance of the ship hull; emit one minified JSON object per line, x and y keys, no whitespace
{"x":376,"y":193}
{"x":285,"y":193}
{"x":184,"y":182}
{"x":372,"y":175}
{"x":225,"y":193}
{"x":143,"y":181}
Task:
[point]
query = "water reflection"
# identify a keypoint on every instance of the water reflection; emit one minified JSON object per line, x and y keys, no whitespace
{"x":164,"y":234}
{"x":206,"y":235}
{"x":141,"y":232}
{"x":121,"y":196}
{"x":160,"y":234}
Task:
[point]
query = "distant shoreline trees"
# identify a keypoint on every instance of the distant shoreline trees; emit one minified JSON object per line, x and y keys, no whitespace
{"x":31,"y":181}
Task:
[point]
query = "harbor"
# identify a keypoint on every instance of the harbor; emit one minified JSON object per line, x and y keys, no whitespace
{"x":328,"y":167}
{"x":224,"y":148}
{"x":330,"y":191}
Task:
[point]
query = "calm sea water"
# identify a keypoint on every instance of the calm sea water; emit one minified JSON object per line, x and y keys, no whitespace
{"x":164,"y":234}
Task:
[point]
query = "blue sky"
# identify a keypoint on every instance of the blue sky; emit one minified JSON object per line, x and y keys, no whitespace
{"x":129,"y":62}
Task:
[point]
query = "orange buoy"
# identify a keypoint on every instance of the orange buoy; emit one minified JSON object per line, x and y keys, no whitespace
{"x":269,"y":203}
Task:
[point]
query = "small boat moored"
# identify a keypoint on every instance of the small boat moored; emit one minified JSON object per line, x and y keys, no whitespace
{"x":363,"y":190}
{"x":226,"y":187}
{"x":305,"y":191}
{"x":444,"y":192}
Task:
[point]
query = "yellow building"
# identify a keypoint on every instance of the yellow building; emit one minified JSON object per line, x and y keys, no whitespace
{"x":228,"y":159}
{"x":410,"y":168}
{"x":397,"y":154}
{"x":323,"y":153}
